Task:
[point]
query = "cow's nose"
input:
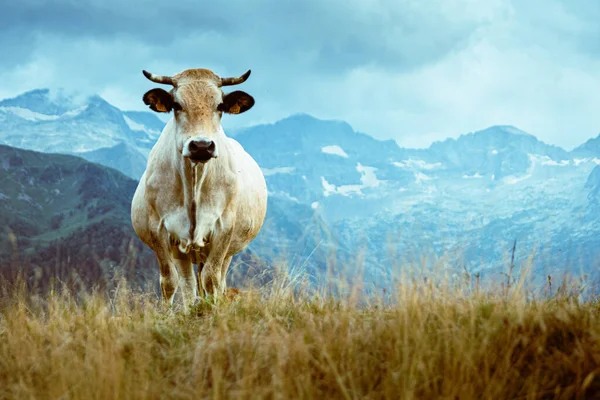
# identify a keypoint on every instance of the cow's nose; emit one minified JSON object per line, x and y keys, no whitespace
{"x":201,"y":150}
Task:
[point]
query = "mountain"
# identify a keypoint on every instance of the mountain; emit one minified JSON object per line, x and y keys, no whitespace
{"x":63,"y":215}
{"x":496,"y":153}
{"x":593,"y":183}
{"x":56,"y":122}
{"x":311,"y":161}
{"x":590,"y":149}
{"x":461,"y":203}
{"x":121,"y":157}
{"x":143,"y":121}
{"x":340,"y":195}
{"x":39,"y":102}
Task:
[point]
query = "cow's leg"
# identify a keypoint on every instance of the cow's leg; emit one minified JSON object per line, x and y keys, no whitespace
{"x":199,"y":280}
{"x":224,"y":268}
{"x":230,"y":293}
{"x":169,"y":279}
{"x":211,"y":275}
{"x":188,"y":281}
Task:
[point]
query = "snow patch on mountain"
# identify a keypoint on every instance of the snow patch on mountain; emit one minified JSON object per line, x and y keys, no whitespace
{"x":533,"y":159}
{"x":536,"y":160}
{"x":33,"y":116}
{"x":511,"y":180}
{"x":134,"y":126}
{"x":335,"y":150}
{"x":579,"y":161}
{"x":278,"y":170}
{"x":344,"y":190}
{"x":28,"y":115}
{"x":417,"y":164}
{"x":545,"y":160}
{"x":368,"y":179}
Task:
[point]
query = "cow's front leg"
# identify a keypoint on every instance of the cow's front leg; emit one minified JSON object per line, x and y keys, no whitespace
{"x":211,"y":279}
{"x":224,"y":268}
{"x":169,"y":279}
{"x":211,"y":275}
{"x":188,"y":283}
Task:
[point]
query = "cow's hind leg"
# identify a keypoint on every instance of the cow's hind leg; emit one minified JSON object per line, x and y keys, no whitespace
{"x":230,"y":293}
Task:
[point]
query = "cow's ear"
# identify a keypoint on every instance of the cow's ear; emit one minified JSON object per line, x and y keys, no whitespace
{"x":236,"y":102}
{"x":159,"y":100}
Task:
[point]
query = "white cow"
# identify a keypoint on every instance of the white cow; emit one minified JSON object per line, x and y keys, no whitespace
{"x":202,"y":198}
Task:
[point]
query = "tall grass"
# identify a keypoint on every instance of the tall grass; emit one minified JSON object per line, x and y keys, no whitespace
{"x":425,"y":341}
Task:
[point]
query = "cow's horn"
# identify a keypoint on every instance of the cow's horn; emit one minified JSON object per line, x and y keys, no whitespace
{"x":166,"y":80}
{"x":235,"y":81}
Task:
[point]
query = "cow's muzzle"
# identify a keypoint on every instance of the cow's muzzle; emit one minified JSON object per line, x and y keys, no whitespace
{"x":200,"y":150}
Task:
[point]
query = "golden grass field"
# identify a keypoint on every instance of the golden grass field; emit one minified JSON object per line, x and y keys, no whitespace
{"x":428,"y":342}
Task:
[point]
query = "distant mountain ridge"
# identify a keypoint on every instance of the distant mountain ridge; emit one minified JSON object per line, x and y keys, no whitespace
{"x":466,"y":199}
{"x":470,"y":197}
{"x":121,"y":157}
{"x":42,"y":101}
{"x":591,"y":148}
{"x":79,"y":126}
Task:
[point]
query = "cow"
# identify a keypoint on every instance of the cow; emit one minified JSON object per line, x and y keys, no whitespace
{"x":202,"y":198}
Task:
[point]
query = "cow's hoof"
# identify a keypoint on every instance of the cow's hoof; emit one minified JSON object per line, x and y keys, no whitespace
{"x":232,"y":293}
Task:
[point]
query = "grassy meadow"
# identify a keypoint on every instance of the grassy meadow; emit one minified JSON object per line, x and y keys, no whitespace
{"x":424,"y":341}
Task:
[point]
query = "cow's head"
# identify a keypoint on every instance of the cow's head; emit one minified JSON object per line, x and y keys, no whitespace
{"x":198,"y":104}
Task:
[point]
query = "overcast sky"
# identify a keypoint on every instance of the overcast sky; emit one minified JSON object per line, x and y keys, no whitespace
{"x":412,"y":70}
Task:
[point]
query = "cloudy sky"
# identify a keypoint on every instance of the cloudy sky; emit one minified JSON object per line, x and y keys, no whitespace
{"x":412,"y":70}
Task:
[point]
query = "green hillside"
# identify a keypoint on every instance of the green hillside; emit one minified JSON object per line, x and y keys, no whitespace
{"x":63,"y":215}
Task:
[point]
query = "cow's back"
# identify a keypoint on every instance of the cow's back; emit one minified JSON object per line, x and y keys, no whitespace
{"x":251,"y":198}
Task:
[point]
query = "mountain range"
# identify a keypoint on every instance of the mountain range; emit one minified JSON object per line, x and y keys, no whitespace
{"x":458,"y":205}
{"x":89,"y":127}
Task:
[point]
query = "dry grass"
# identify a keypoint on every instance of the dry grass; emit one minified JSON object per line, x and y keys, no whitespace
{"x":426,"y":343}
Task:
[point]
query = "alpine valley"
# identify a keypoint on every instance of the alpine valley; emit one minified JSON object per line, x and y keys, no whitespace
{"x":340,"y":201}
